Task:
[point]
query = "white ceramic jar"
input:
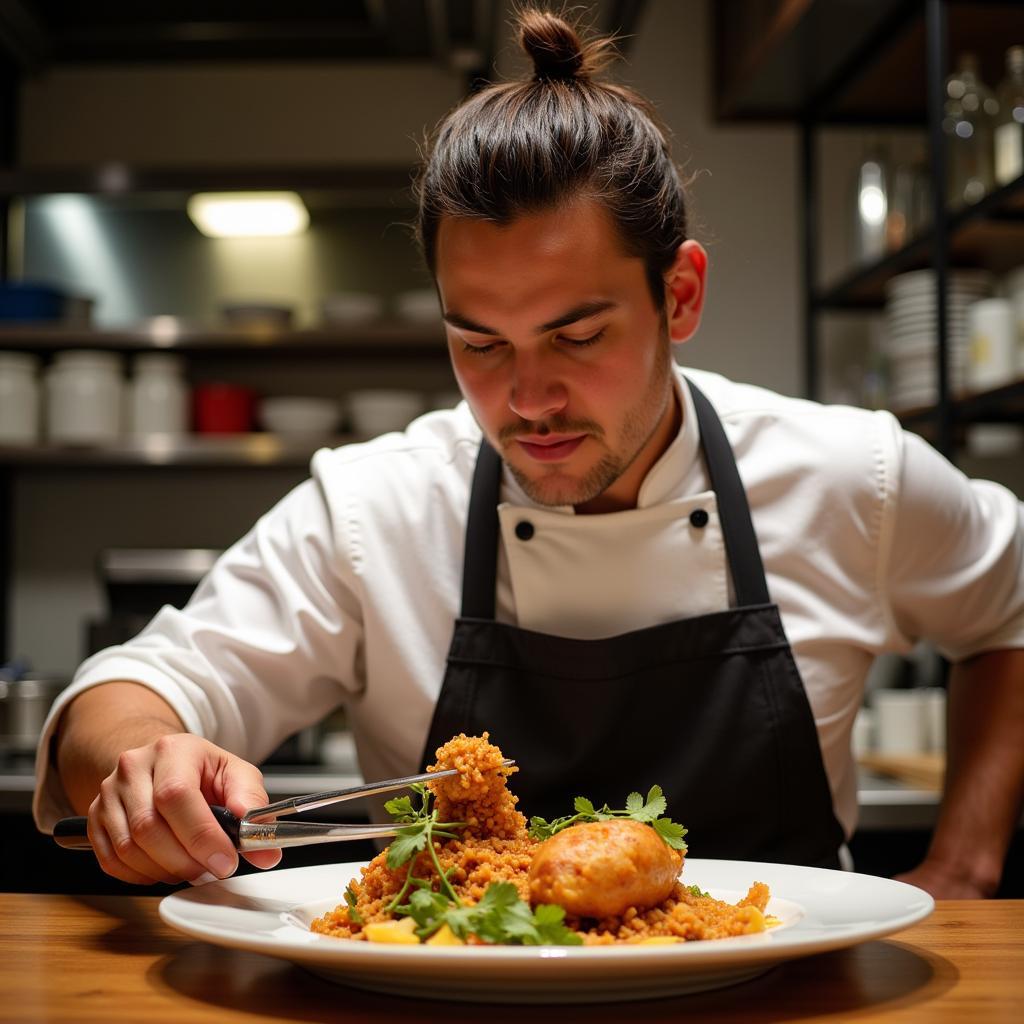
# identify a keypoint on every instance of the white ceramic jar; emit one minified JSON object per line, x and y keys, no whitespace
{"x":993,"y":343}
{"x":19,"y":398}
{"x":158,"y":397}
{"x":84,"y":395}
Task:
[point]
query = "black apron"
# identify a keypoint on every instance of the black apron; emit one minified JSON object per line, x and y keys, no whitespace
{"x":711,"y":708}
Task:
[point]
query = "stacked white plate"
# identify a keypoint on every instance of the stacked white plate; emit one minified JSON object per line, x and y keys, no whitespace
{"x":911,"y":332}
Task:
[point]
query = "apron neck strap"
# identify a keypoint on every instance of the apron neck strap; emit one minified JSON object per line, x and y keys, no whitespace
{"x":733,"y":509}
{"x":480,"y":563}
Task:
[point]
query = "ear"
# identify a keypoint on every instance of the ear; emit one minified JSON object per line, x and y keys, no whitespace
{"x":685,"y":284}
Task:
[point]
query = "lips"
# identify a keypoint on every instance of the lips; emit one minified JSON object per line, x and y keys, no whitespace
{"x":550,"y":449}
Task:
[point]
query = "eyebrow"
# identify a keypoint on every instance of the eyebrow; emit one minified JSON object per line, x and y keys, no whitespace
{"x":580,"y":312}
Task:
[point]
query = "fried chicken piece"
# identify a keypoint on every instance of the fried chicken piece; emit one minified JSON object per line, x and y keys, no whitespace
{"x":602,"y":868}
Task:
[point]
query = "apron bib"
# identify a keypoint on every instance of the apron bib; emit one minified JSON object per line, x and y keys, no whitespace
{"x":711,"y":708}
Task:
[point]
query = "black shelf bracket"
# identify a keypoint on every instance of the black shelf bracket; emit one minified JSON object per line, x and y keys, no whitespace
{"x":936,"y":34}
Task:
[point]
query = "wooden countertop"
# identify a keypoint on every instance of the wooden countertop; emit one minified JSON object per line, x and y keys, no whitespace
{"x":111,"y":959}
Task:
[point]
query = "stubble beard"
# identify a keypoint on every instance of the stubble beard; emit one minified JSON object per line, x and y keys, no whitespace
{"x":638,"y":427}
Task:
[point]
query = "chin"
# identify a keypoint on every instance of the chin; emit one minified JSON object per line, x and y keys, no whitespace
{"x":558,"y":489}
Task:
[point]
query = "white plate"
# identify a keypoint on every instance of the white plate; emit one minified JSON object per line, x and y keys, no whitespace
{"x":928,"y":316}
{"x":820,"y":910}
{"x":957,"y":304}
{"x":919,"y":280}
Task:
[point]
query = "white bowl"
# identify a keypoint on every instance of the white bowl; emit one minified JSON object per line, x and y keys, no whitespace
{"x":295,"y":416}
{"x":376,"y":412}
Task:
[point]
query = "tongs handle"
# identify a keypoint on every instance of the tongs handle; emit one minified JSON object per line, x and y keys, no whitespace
{"x":72,"y":833}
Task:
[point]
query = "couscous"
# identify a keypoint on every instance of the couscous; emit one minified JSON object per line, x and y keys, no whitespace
{"x":440,"y":881}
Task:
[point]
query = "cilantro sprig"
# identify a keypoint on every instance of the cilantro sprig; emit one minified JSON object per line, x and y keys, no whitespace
{"x":420,"y":829}
{"x":648,"y":811}
{"x":501,"y":916}
{"x":350,"y":900}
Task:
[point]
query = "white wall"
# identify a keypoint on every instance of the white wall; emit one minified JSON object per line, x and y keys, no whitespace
{"x":743,"y":203}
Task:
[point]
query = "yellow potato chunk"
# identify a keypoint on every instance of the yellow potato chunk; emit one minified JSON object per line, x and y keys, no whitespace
{"x":752,"y":918}
{"x":602,"y":868}
{"x":401,"y":932}
{"x":444,"y":936}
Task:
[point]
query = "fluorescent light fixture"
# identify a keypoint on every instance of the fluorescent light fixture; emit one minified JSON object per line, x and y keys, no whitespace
{"x":248,"y":214}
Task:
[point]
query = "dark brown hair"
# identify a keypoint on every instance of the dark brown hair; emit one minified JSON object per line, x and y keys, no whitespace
{"x":525,"y":146}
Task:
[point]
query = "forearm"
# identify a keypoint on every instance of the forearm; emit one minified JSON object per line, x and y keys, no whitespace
{"x":984,"y":785}
{"x":98,"y":726}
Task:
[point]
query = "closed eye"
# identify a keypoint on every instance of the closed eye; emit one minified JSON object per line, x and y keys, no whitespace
{"x":584,"y":342}
{"x":480,"y":350}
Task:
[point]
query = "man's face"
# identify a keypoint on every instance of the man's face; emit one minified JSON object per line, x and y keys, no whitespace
{"x":558,"y":348}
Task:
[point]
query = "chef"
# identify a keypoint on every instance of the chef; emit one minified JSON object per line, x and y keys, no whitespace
{"x":628,"y":573}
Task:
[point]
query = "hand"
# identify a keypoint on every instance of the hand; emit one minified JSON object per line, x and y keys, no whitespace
{"x":151,"y":821}
{"x":944,"y":884}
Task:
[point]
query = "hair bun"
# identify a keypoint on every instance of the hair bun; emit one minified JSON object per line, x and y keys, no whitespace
{"x":555,"y":47}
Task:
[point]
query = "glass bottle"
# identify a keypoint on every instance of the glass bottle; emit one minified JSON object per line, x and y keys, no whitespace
{"x":970,"y":113}
{"x":1009,"y":133}
{"x":870,"y":206}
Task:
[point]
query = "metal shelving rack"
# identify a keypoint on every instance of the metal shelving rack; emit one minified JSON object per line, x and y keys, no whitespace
{"x":809,"y":66}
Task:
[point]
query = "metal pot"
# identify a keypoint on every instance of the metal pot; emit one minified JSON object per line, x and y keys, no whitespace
{"x":23,"y":708}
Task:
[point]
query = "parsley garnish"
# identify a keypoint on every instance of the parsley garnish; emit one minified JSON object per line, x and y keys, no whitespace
{"x":420,"y":828}
{"x":648,"y":811}
{"x":696,"y":890}
{"x":350,"y":898}
{"x":500,"y":916}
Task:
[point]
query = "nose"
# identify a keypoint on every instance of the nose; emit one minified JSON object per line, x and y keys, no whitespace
{"x":536,"y":393}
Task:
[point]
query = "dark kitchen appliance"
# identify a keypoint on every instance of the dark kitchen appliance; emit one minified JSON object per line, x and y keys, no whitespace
{"x":138,"y":582}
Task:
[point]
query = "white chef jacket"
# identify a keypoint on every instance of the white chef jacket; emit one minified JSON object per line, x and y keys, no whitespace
{"x":347,"y":590}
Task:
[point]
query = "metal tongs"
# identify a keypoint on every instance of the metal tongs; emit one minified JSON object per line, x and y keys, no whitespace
{"x":257,"y":829}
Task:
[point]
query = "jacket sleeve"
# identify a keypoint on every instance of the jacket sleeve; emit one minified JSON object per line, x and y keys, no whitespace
{"x":269,"y":643}
{"x":954,"y":573}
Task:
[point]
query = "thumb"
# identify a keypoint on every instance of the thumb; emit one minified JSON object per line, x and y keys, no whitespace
{"x":244,"y":790}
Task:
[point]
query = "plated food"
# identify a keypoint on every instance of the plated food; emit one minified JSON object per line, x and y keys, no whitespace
{"x":467,"y":869}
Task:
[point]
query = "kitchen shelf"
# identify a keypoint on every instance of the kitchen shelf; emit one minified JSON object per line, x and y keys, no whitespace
{"x":849,"y":63}
{"x":989,"y":234}
{"x":1004,"y":404}
{"x":370,"y":340}
{"x":196,"y":451}
{"x":879,"y":63}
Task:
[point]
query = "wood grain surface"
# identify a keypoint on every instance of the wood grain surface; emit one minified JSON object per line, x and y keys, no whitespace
{"x":111,"y":959}
{"x":922,"y":771}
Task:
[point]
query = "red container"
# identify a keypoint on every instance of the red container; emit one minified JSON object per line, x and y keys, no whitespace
{"x":223,"y":409}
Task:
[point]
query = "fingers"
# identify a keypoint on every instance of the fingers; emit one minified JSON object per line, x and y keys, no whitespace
{"x":263,"y":859}
{"x":151,"y":835}
{"x":242,"y":790}
{"x":178,"y":798}
{"x":134,"y":840}
{"x":151,"y":821}
{"x":104,"y":849}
